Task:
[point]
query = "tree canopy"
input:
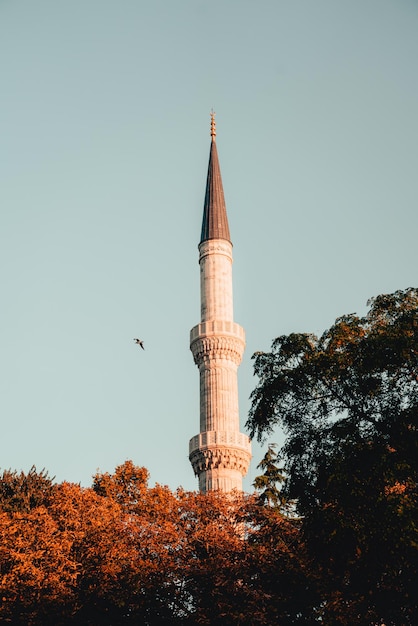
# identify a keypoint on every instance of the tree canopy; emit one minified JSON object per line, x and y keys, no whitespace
{"x":122,"y":552}
{"x":348,"y":404}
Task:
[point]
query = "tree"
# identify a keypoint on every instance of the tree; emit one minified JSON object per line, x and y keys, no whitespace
{"x":244,"y":563}
{"x":94,"y":526}
{"x":125,"y":553}
{"x":268,"y":482}
{"x":128,"y":485}
{"x":23,"y":492}
{"x":348,"y":404}
{"x":37,"y":571}
{"x":150,"y":547}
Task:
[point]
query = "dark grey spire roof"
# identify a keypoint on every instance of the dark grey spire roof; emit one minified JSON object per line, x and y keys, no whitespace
{"x":215,"y":220}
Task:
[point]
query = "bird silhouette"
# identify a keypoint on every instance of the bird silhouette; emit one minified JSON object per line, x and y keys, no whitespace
{"x":139,"y":342}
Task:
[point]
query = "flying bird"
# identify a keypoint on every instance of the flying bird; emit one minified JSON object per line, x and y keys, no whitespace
{"x":139,"y":342}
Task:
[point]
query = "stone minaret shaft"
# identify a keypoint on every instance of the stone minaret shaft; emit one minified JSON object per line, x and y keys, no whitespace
{"x":219,"y":454}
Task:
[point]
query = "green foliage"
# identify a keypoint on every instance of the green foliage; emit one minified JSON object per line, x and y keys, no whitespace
{"x":348,"y":404}
{"x":358,"y":380}
{"x":268,"y":482}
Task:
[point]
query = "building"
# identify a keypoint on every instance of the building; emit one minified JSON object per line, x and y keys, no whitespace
{"x":219,"y":454}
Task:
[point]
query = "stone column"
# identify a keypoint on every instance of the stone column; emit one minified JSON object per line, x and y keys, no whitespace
{"x":220,"y":454}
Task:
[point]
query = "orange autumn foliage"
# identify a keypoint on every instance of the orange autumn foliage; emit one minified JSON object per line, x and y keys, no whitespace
{"x":124,"y":553}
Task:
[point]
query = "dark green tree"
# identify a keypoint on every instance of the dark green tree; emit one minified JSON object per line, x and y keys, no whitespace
{"x":348,"y":404}
{"x":267,"y":483}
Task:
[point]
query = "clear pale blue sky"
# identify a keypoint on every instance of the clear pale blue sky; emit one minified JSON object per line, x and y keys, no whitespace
{"x":104,"y":144}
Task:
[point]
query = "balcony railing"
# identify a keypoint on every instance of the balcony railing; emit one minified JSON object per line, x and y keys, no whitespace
{"x":217,"y":327}
{"x":219,"y":438}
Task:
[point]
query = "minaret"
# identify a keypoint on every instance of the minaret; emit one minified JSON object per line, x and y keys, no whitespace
{"x":220,"y":454}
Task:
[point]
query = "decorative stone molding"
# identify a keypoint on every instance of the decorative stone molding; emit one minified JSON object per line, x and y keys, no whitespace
{"x":220,"y":458}
{"x":205,"y":349}
{"x":215,"y":246}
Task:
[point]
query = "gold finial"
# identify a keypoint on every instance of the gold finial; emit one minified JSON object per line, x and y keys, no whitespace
{"x":212,"y":125}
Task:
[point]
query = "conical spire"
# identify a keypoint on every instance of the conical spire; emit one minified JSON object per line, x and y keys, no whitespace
{"x":215,"y":220}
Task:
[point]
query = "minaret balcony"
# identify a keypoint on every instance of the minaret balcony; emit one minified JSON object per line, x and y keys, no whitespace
{"x":217,"y":339}
{"x":219,"y":438}
{"x":217,"y":327}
